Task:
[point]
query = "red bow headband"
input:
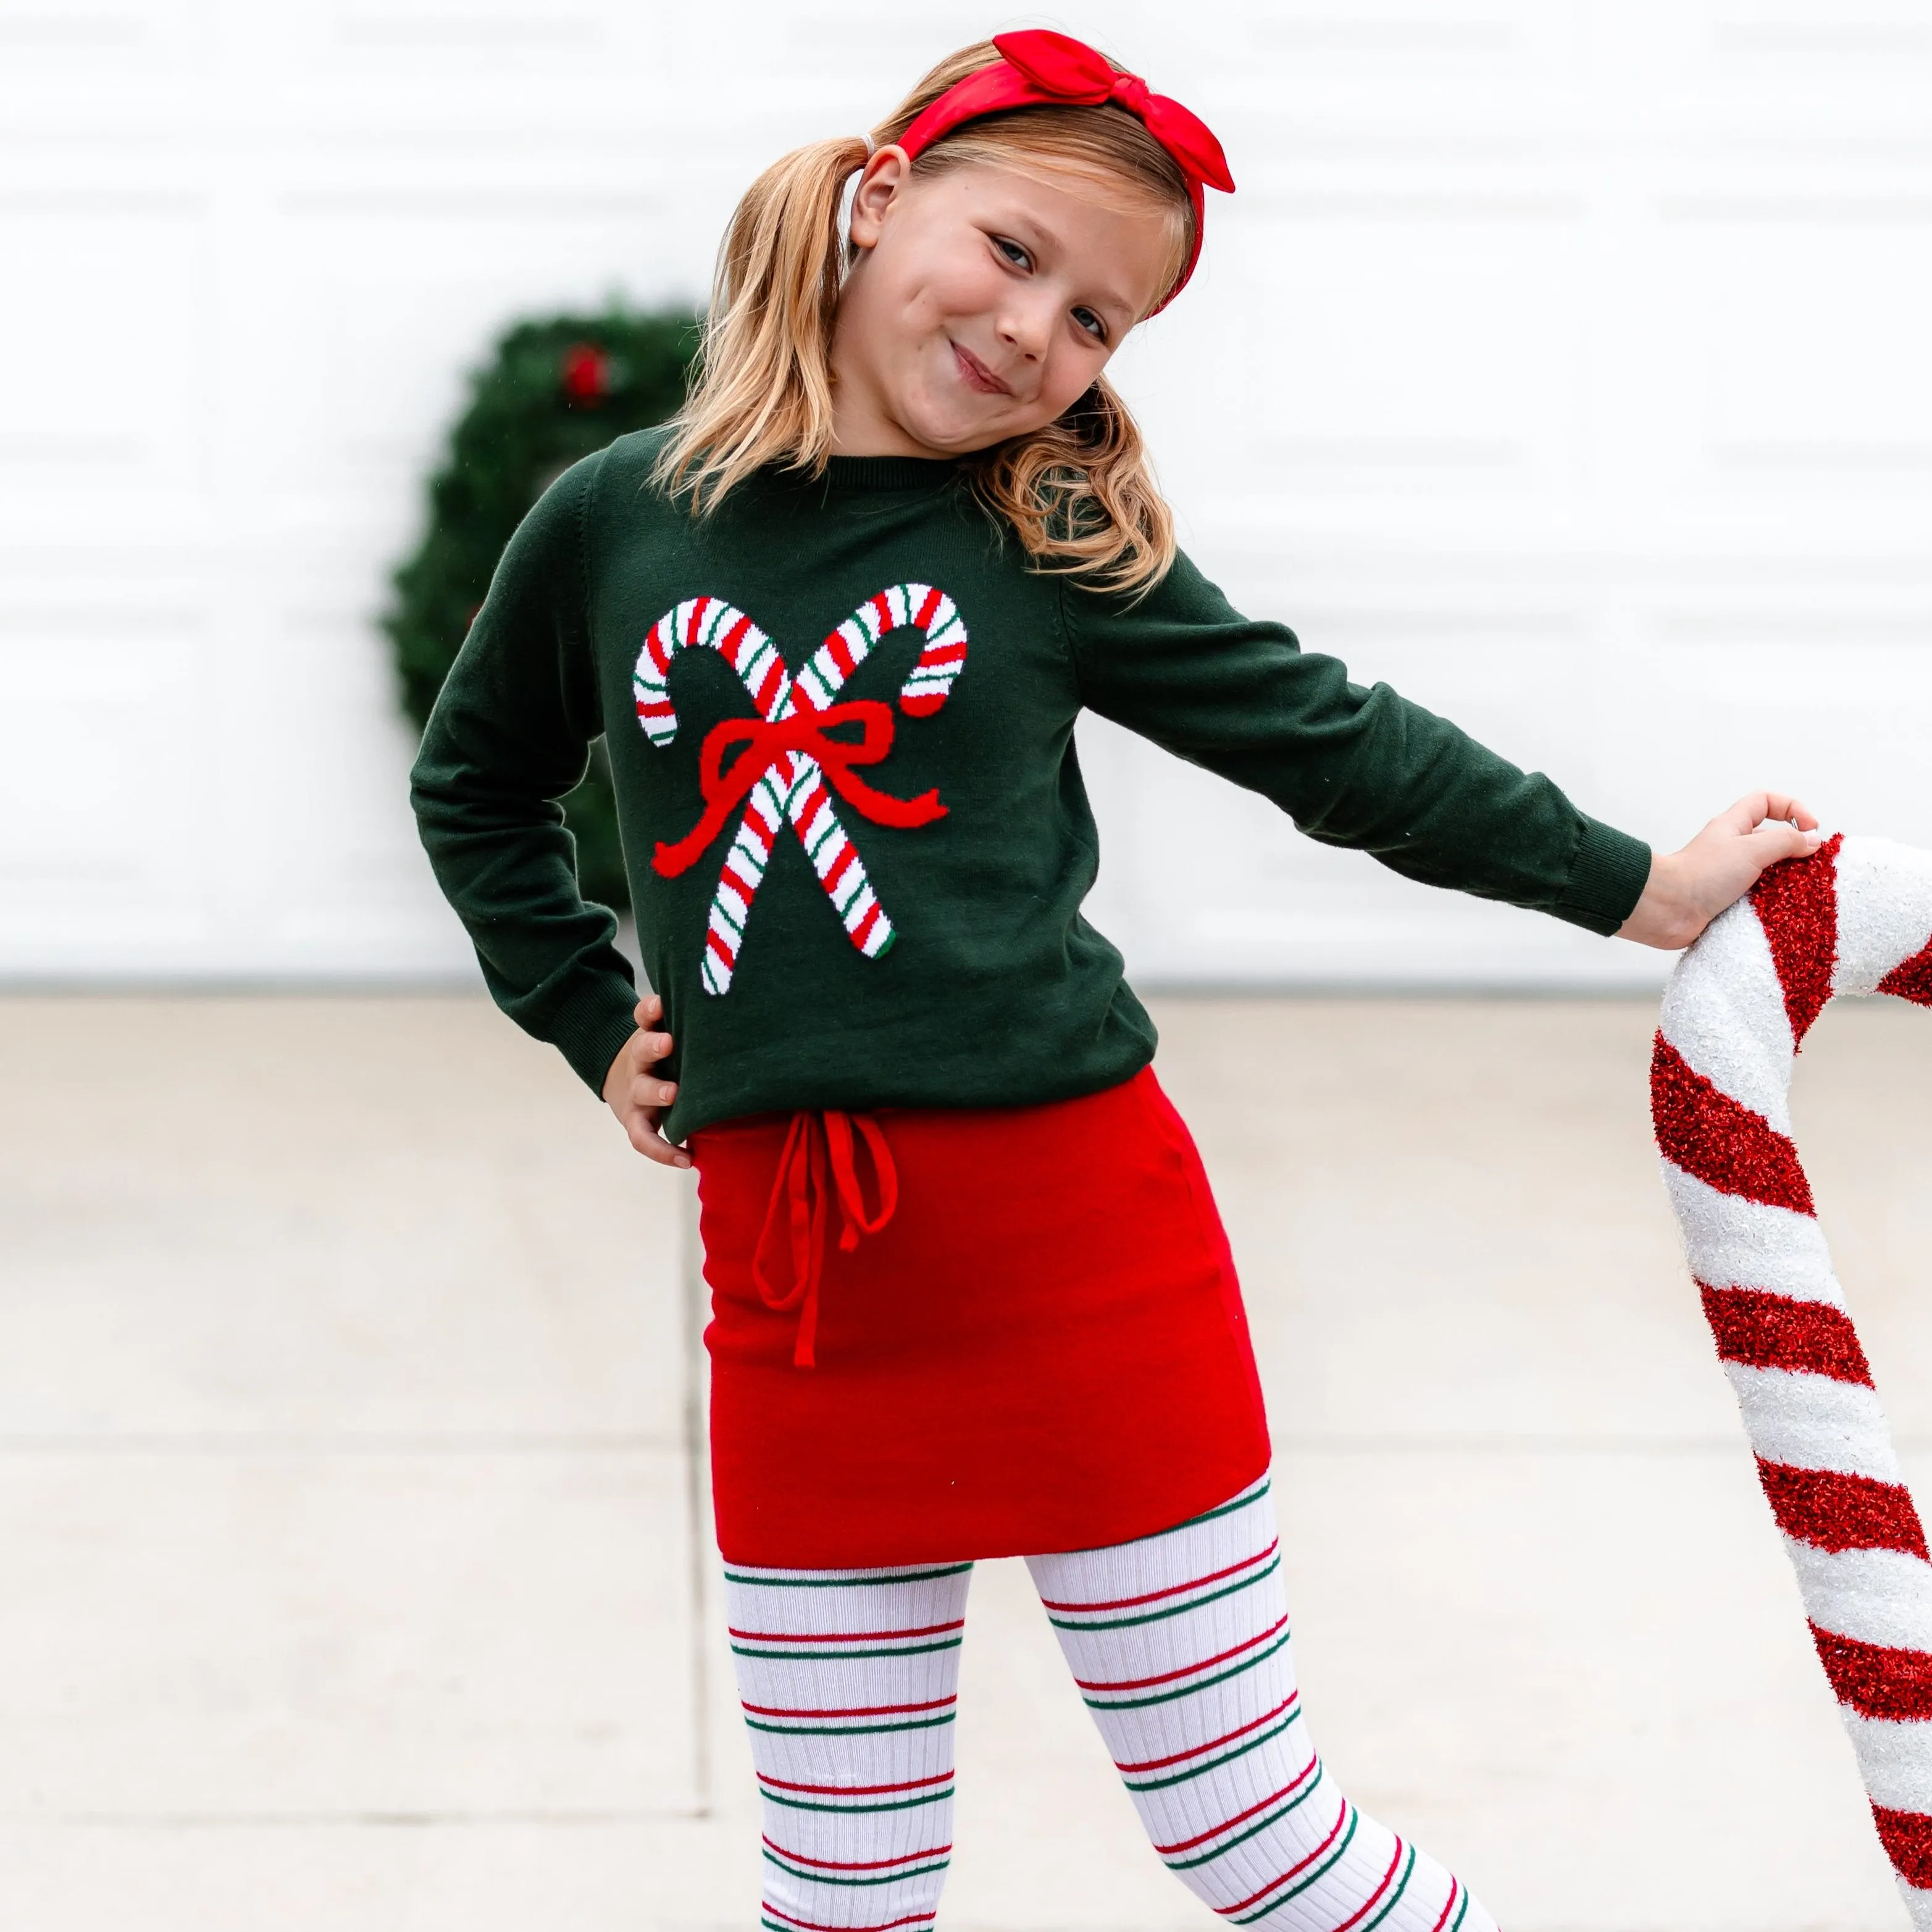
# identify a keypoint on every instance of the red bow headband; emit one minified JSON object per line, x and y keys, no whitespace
{"x":1039,"y":69}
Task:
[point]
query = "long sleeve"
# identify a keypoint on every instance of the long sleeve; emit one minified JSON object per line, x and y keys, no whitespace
{"x":1357,"y":767}
{"x":509,"y":737}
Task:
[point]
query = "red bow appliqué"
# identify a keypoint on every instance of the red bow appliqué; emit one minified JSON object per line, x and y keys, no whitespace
{"x":766,"y":745}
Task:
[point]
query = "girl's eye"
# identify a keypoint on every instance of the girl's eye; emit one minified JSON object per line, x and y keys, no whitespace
{"x":1086,"y":318}
{"x":1013,"y":252}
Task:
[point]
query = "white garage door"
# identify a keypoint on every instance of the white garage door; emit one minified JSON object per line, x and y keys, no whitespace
{"x":1561,"y":363}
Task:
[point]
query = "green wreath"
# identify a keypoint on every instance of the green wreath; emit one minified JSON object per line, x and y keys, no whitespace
{"x":555,"y":390}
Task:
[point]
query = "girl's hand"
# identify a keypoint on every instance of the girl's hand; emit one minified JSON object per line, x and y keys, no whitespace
{"x":1687,"y":889}
{"x":636,"y":1095}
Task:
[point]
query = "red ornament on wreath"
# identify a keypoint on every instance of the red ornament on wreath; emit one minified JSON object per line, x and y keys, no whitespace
{"x":587,"y":374}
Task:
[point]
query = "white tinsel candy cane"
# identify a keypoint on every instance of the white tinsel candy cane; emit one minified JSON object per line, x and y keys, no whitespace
{"x":1856,"y":917}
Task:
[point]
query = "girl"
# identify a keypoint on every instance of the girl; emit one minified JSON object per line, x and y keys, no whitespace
{"x":835,"y":624}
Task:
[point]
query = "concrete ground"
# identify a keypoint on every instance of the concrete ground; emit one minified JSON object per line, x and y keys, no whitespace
{"x":354,"y":1542}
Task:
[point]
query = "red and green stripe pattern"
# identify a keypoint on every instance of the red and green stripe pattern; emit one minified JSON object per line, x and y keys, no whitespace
{"x":1179,"y":1645}
{"x":849,"y":1680}
{"x":1179,"y":1642}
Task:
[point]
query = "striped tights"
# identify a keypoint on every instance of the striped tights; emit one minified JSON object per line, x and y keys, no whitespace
{"x":1179,"y":1644}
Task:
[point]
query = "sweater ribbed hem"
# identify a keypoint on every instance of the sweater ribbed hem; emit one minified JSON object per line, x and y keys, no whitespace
{"x":590,"y":1030}
{"x":1606,"y":879}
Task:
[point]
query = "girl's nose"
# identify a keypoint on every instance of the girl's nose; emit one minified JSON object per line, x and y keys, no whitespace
{"x":1024,"y":329}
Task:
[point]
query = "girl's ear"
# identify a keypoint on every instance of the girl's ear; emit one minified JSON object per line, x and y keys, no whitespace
{"x":885,"y":174}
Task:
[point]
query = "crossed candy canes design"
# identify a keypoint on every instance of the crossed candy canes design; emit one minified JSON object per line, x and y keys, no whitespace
{"x":1855,"y":917}
{"x":783,"y":765}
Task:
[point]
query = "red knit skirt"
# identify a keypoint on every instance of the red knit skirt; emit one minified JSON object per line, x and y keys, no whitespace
{"x":1042,"y":1349}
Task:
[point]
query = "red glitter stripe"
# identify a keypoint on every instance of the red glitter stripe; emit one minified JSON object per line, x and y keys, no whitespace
{"x":1912,"y":980}
{"x":1906,"y":1837}
{"x":882,"y":609}
{"x":728,"y":644}
{"x":696,"y":623}
{"x":730,"y":877}
{"x":940,"y":654}
{"x":718,"y":946}
{"x":1877,"y":1681}
{"x":1797,"y":903}
{"x":841,"y":653}
{"x":1832,"y":1510}
{"x":660,"y":652}
{"x":1771,"y":1331}
{"x":926,"y":609}
{"x":1720,"y":1141}
{"x":863,"y":931}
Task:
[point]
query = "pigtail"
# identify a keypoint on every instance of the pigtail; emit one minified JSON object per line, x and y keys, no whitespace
{"x":763,"y":392}
{"x":1081,"y":495}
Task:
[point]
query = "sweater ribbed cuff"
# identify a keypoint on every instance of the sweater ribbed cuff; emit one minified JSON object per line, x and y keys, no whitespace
{"x":1606,"y":879}
{"x":590,"y":1031}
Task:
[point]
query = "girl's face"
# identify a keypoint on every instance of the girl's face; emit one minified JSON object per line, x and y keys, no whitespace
{"x":982,"y":305}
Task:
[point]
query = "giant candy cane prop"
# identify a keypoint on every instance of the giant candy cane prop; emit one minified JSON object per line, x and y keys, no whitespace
{"x":1856,"y":917}
{"x":785,"y":765}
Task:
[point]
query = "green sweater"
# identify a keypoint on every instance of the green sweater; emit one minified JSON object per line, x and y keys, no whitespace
{"x":881,"y":906}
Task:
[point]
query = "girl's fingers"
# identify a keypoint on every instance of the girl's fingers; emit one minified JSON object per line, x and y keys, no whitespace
{"x":651,"y":1144}
{"x":1782,"y":807}
{"x":1773,"y":841}
{"x":1786,"y":836}
{"x":1766,"y":809}
{"x":1745,"y":817}
{"x":645,"y":1096}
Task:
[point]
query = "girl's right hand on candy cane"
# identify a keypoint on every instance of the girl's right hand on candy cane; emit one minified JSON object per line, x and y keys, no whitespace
{"x":636,"y":1094}
{"x":1687,"y":889}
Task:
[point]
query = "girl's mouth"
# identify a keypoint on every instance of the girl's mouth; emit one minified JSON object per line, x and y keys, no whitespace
{"x":976,"y":375}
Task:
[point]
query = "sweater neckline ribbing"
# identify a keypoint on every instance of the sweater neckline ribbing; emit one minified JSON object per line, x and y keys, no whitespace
{"x":889,"y":472}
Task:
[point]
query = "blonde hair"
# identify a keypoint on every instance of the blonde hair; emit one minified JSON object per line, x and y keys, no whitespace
{"x":1079,"y":493}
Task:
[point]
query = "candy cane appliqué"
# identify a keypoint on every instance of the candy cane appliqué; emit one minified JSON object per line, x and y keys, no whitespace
{"x":1856,"y":917}
{"x":784,"y":765}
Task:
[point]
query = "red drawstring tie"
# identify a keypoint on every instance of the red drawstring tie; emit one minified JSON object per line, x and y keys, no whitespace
{"x":815,"y":1142}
